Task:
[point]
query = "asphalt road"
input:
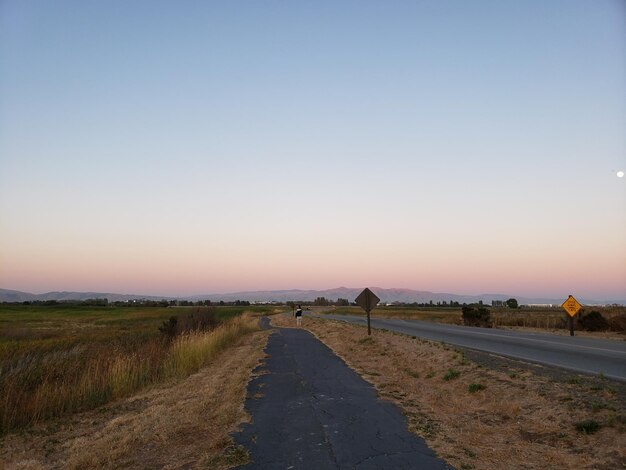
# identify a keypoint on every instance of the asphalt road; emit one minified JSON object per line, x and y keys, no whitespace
{"x":580,"y":354}
{"x":311,"y":411}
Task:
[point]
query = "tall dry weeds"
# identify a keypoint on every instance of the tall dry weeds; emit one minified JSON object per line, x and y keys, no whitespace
{"x":174,"y":424}
{"x":191,"y":351}
{"x":45,"y":384}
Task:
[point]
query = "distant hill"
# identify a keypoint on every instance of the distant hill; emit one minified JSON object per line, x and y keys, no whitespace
{"x":386,"y":296}
{"x":18,"y":296}
{"x":7,"y":295}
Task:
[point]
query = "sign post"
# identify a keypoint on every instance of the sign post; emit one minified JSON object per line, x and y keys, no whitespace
{"x":367,"y":300}
{"x":572,"y":307}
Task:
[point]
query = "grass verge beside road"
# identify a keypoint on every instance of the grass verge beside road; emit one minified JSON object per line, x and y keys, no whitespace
{"x":539,"y":319}
{"x":478,"y":416}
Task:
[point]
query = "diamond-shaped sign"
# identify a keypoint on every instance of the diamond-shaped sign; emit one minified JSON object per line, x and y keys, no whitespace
{"x":367,"y":300}
{"x":571,"y":306}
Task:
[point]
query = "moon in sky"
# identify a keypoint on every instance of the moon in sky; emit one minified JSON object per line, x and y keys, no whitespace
{"x":620,"y":174}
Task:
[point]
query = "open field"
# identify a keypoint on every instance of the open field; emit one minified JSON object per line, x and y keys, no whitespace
{"x":175,"y":424}
{"x":553,"y":319}
{"x":479,"y":412}
{"x":474,"y":410}
{"x":59,"y":359}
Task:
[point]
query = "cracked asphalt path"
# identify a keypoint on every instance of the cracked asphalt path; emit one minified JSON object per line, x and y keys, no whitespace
{"x":311,"y":411}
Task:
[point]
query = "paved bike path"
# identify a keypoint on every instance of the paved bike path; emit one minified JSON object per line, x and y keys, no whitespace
{"x":311,"y":411}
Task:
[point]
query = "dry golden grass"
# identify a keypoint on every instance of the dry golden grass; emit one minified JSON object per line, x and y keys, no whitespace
{"x":518,"y":421}
{"x":183,"y":424}
{"x":193,"y":350}
{"x":540,"y":320}
{"x":44,"y":381}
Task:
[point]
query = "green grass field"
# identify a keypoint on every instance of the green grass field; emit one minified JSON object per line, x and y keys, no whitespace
{"x":59,"y":359}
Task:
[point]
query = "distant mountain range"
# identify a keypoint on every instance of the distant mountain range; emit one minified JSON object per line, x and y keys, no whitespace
{"x":7,"y":295}
{"x":386,"y":296}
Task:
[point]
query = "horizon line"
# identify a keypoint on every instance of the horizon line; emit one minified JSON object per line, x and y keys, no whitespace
{"x":235,"y":292}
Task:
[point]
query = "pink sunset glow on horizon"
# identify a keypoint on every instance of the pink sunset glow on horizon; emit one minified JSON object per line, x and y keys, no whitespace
{"x":180,"y":273}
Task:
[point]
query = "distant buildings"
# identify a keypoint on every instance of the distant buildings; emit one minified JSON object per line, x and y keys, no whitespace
{"x":502,"y":303}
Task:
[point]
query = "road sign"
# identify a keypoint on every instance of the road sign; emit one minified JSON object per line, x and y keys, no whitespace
{"x":571,"y":306}
{"x":367,"y":300}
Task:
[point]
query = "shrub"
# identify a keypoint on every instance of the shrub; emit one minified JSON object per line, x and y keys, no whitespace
{"x":202,"y":319}
{"x":594,"y":321}
{"x":476,"y":316}
{"x":168,"y":328}
{"x":451,"y":374}
{"x":473,"y":388}
{"x":413,"y":373}
{"x":588,"y":426}
{"x":618,"y":323}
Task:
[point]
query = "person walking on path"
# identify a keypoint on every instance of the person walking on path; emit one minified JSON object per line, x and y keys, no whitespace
{"x":298,"y":316}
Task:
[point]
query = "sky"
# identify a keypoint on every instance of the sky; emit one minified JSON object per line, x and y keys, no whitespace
{"x":178,"y":148}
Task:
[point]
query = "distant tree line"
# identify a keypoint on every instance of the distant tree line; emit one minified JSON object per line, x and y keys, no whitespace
{"x":132,"y":303}
{"x":319,"y":301}
{"x":429,"y":304}
{"x":323,"y":302}
{"x":207,"y":303}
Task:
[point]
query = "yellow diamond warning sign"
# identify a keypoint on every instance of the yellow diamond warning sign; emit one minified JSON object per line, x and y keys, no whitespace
{"x":571,"y":306}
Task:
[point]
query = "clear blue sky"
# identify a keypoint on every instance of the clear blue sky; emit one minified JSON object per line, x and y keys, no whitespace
{"x":190,"y":147}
